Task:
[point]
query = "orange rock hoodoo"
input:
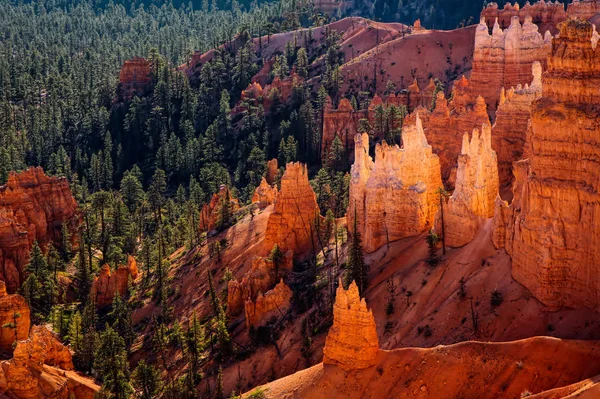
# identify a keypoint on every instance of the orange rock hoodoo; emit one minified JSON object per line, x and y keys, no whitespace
{"x":273,"y":303}
{"x":272,"y":171}
{"x":476,"y":189}
{"x":394,"y":197}
{"x":41,"y":367}
{"x":504,"y":58}
{"x":512,"y":119}
{"x":544,"y":14}
{"x":33,"y":207}
{"x":265,"y":194}
{"x":552,"y":228}
{"x":135,"y":77}
{"x":260,"y":279}
{"x":352,"y":341}
{"x":292,"y":224}
{"x":212,"y":213}
{"x":14,"y":312}
{"x":108,"y":284}
{"x":446,"y":125}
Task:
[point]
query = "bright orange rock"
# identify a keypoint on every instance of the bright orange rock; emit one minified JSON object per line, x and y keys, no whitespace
{"x":292,"y":224}
{"x":41,"y":368}
{"x":504,"y":58}
{"x":512,"y":119}
{"x":446,"y":125}
{"x":352,"y":341}
{"x":265,"y":194}
{"x":211,"y":213}
{"x":472,"y":201}
{"x":394,"y":197}
{"x":15,"y":312}
{"x":272,"y":171}
{"x":552,"y":228}
{"x":135,"y":77}
{"x":108,"y":284}
{"x":33,"y":206}
{"x":260,"y":278}
{"x":273,"y":303}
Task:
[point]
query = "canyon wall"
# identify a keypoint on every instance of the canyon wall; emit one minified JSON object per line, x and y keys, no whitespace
{"x":352,"y":341}
{"x":33,"y":207}
{"x":583,"y":9}
{"x":394,"y":197}
{"x":512,"y":121}
{"x":41,"y":368}
{"x":109,"y":283}
{"x":292,"y":224}
{"x":14,"y":314}
{"x":472,"y":201}
{"x":504,"y":58}
{"x":135,"y":78}
{"x":552,"y":228}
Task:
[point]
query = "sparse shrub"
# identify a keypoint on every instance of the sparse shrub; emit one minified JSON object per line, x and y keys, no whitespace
{"x":526,"y":394}
{"x":258,"y":393}
{"x":427,"y":331}
{"x":462,"y":291}
{"x":496,"y":299}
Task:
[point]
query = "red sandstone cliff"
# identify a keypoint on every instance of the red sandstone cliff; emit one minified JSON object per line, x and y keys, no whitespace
{"x":292,"y":224}
{"x":108,"y":284}
{"x":504,"y":58}
{"x":14,"y":319}
{"x":33,"y":207}
{"x":546,"y":15}
{"x":512,"y":120}
{"x":552,"y":228}
{"x":135,"y":77}
{"x":273,"y":303}
{"x":212,"y":213}
{"x":472,"y":201}
{"x":394,"y":197}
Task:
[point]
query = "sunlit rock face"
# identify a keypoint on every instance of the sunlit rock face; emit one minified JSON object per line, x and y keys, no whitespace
{"x":33,"y":207}
{"x":352,"y":341}
{"x":552,"y":228}
{"x":395,"y":196}
{"x":472,"y":201}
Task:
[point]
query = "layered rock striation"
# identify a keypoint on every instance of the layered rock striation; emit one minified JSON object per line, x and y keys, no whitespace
{"x":109,"y":284}
{"x":394,"y":197}
{"x":291,"y":226}
{"x":472,"y":201}
{"x":14,"y":319}
{"x":544,"y":14}
{"x":552,"y":228}
{"x":512,"y":121}
{"x":33,"y":207}
{"x":504,"y":58}
{"x":446,"y":125}
{"x":352,"y":342}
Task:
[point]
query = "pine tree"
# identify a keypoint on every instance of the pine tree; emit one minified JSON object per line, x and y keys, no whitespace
{"x":357,"y":268}
{"x":111,"y":363}
{"x":146,"y":379}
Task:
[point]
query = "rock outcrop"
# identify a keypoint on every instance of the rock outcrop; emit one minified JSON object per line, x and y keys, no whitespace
{"x":394,"y":197}
{"x":272,"y":171}
{"x":583,"y":9}
{"x":33,"y":207}
{"x":446,"y":125}
{"x":265,"y":194}
{"x":41,"y":367}
{"x":273,"y":303}
{"x":14,"y":319}
{"x":352,"y":341}
{"x":512,"y":120}
{"x":263,"y":276}
{"x":552,"y":228}
{"x":212,"y":214}
{"x":292,"y":224}
{"x":472,"y":201}
{"x":504,"y":58}
{"x":109,"y":284}
{"x":135,"y":78}
{"x":544,"y":14}
{"x":279,"y":90}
